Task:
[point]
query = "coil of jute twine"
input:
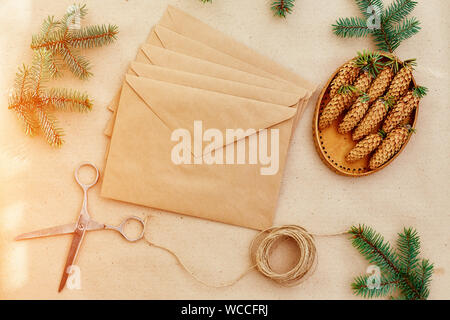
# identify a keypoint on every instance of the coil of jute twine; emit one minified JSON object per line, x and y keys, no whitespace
{"x":261,"y":250}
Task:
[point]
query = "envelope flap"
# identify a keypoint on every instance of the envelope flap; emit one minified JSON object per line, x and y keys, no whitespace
{"x":214,"y":84}
{"x":190,"y":26}
{"x":172,"y":40}
{"x":175,"y":60}
{"x":179,"y":107}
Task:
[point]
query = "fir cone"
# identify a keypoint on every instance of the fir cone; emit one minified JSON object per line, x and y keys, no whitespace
{"x":403,"y":108}
{"x":343,"y":100}
{"x":380,"y":84}
{"x":389,"y":147}
{"x":334,"y":108}
{"x":374,"y":116}
{"x":353,"y":116}
{"x":365,"y":146}
{"x":346,"y":76}
{"x":400,"y":83}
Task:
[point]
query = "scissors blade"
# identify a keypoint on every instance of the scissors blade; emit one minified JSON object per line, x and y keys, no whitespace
{"x":73,"y":251}
{"x":47,"y":232}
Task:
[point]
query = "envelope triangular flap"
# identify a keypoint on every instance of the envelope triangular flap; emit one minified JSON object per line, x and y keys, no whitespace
{"x":185,"y":24}
{"x":175,"y":60}
{"x":179,"y":106}
{"x":177,"y":42}
{"x":214,"y":84}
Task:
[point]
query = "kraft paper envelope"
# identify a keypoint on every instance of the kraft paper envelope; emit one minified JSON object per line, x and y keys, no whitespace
{"x":173,"y":60}
{"x":213,"y":84}
{"x":140,"y":169}
{"x":186,"y":25}
{"x":171,"y":40}
{"x":166,"y":38}
{"x":176,"y":60}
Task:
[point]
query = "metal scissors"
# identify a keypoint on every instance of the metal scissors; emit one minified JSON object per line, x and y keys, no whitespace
{"x":78,"y":229}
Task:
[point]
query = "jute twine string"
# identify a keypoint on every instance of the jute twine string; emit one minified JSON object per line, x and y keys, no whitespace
{"x":261,"y":249}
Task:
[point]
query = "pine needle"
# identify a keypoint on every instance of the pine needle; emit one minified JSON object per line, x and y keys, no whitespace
{"x":398,"y":10}
{"x":69,"y":100}
{"x":354,"y":27}
{"x":48,"y":126}
{"x":27,"y":118}
{"x":386,"y":287}
{"x":420,"y":91}
{"x":94,"y":36}
{"x":78,"y":64}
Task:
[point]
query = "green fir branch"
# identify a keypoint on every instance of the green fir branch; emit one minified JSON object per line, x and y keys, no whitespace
{"x":69,"y":100}
{"x":59,"y":39}
{"x":40,"y":69}
{"x":76,"y":63}
{"x":386,"y":287}
{"x":48,"y":26}
{"x":363,"y":6}
{"x":347,"y":89}
{"x":424,"y":277}
{"x":394,"y":26}
{"x":384,"y":38}
{"x":23,"y":81}
{"x":354,"y":27}
{"x":420,"y":91}
{"x":49,"y":128}
{"x":408,"y":247}
{"x":373,"y":247}
{"x":399,"y":269}
{"x":55,"y":45}
{"x":75,"y":10}
{"x":26,"y":117}
{"x":281,"y":8}
{"x":406,"y":29}
{"x":93,"y":36}
{"x":369,"y":62}
{"x":397,"y":11}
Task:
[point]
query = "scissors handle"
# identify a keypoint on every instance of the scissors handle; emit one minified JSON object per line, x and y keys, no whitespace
{"x":120,"y":228}
{"x":85,"y":186}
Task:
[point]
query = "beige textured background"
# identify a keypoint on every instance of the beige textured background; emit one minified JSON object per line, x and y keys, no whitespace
{"x":37,"y":188}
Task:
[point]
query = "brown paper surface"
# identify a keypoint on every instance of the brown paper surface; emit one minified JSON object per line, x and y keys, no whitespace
{"x":38,"y":190}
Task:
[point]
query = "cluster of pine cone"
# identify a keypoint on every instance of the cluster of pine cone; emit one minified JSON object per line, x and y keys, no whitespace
{"x":373,"y":91}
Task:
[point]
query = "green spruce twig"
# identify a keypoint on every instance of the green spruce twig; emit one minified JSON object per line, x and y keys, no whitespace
{"x":58,"y":43}
{"x":394,"y":25}
{"x":33,"y":103}
{"x":282,"y":7}
{"x":63,"y":38}
{"x":401,"y":269}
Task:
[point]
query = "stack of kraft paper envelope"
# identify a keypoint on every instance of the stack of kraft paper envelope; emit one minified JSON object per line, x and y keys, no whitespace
{"x":202,"y":126}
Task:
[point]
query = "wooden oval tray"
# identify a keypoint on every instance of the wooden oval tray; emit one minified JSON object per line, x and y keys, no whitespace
{"x":332,"y":146}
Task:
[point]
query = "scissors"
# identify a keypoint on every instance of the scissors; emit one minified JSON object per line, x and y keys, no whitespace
{"x":78,"y":229}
